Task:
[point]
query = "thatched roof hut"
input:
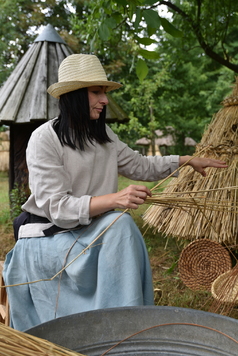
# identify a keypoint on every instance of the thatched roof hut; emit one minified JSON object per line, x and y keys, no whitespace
{"x":163,"y":140}
{"x":25,"y":103}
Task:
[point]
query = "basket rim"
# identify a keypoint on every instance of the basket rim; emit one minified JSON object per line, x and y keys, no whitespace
{"x":228,"y":296}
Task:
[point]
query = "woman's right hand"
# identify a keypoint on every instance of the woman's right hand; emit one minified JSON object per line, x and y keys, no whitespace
{"x":128,"y":198}
{"x":132,"y":196}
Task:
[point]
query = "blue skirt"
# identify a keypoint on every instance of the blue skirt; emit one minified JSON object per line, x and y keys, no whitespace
{"x":114,"y":272}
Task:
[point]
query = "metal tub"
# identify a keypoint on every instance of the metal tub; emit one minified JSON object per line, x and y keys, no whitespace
{"x":154,"y":330}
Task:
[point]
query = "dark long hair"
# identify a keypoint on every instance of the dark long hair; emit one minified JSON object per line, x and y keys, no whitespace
{"x":73,"y":125}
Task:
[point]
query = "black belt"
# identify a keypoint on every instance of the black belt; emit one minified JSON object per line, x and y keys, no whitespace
{"x":28,"y":218}
{"x":37,"y":219}
{"x":34,"y":219}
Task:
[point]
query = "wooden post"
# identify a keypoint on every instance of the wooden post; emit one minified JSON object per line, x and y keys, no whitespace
{"x":19,"y":137}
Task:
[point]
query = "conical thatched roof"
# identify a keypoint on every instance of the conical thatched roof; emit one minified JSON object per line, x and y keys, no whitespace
{"x":210,"y":209}
{"x":24,"y":97}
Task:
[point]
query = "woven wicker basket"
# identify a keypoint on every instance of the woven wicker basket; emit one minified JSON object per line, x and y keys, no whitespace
{"x":225,"y":287}
{"x":201,"y":262}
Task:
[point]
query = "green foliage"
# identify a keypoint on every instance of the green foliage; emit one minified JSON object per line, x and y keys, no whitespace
{"x":18,"y":196}
{"x":5,"y":219}
{"x":115,"y":30}
{"x":130,"y":132}
{"x":210,"y":25}
{"x":151,"y":18}
{"x":106,"y":26}
{"x":3,"y":128}
{"x":182,"y":90}
{"x":169,"y":28}
{"x":141,"y":69}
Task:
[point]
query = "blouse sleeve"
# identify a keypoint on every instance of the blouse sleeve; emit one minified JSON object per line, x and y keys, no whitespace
{"x":135,"y":166}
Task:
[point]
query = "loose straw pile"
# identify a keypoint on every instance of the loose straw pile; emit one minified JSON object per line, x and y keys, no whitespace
{"x":206,"y":207}
{"x":17,"y":343}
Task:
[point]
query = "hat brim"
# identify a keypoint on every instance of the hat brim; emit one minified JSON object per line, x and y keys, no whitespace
{"x":60,"y":88}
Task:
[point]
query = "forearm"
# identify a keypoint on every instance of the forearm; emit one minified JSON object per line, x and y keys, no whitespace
{"x":184,"y":159}
{"x":129,"y":198}
{"x":101,"y":204}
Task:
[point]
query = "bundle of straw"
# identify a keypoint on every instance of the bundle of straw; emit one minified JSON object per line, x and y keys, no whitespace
{"x":209,"y":206}
{"x":17,"y":343}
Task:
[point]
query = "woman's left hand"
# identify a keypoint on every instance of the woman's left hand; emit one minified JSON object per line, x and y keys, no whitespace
{"x":200,"y":163}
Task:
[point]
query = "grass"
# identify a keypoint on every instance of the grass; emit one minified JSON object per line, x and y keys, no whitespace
{"x":6,"y":230}
{"x":163,"y":252}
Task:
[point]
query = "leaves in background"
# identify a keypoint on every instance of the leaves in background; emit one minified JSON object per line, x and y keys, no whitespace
{"x":145,"y":40}
{"x":149,"y":54}
{"x":141,"y":69}
{"x":169,"y":28}
{"x":152,"y":18}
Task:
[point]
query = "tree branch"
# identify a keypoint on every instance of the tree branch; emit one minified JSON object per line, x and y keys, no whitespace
{"x":197,"y":31}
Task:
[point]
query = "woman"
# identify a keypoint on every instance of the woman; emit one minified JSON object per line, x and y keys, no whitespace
{"x":74,"y":162}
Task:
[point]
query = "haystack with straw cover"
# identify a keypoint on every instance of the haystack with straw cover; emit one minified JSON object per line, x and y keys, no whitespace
{"x":192,"y":206}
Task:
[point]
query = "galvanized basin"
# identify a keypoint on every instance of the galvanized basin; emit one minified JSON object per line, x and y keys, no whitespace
{"x":167,"y":331}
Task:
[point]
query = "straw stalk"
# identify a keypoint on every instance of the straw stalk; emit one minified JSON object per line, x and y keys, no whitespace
{"x":17,"y":343}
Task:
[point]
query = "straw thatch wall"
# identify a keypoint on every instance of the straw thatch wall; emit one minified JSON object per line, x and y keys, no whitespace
{"x":4,"y":151}
{"x":219,"y":188}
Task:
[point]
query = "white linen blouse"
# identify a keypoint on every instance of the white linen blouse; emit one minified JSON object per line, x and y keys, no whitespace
{"x":62,"y":180}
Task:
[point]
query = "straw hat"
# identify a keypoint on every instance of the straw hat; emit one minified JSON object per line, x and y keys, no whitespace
{"x":80,"y":71}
